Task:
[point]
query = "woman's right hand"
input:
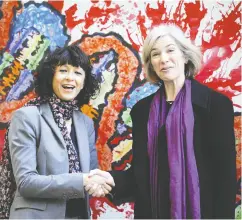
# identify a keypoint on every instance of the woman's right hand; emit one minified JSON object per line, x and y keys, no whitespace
{"x":98,"y":183}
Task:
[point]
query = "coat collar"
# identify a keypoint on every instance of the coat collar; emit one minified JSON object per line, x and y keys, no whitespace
{"x":82,"y":140}
{"x":200,"y":94}
{"x":80,"y":129}
{"x":46,"y":113}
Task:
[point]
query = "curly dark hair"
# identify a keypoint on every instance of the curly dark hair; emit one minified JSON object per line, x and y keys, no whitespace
{"x":71,"y":55}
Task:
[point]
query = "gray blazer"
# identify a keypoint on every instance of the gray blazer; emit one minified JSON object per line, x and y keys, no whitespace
{"x":40,"y":163}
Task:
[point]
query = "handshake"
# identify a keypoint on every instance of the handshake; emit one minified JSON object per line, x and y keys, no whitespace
{"x":98,"y":183}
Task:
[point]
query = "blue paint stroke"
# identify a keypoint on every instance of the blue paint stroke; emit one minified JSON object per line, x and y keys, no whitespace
{"x":121,"y":128}
{"x":25,"y":81}
{"x":140,"y":93}
{"x":46,"y":21}
{"x":102,"y":64}
{"x":20,"y":37}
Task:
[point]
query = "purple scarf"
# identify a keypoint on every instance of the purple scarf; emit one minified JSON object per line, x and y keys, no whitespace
{"x":184,"y":180}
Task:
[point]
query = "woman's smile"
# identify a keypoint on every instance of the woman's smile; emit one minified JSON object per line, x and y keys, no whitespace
{"x":68,"y":81}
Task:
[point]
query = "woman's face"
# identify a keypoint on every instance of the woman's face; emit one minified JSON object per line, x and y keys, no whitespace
{"x":68,"y":81}
{"x":168,"y":60}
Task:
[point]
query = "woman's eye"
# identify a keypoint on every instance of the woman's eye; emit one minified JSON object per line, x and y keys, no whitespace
{"x":63,"y":71}
{"x":155,"y":55}
{"x":171,"y":50}
{"x":78,"y":73}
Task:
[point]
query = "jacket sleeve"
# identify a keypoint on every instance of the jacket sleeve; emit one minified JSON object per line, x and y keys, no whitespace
{"x":22,"y":145}
{"x":224,"y":154}
{"x":92,"y":147}
{"x":124,"y":190}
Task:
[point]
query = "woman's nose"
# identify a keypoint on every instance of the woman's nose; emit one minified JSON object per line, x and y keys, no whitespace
{"x":70,"y":76}
{"x":164,"y":57}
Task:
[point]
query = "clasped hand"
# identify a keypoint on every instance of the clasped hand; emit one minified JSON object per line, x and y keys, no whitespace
{"x":98,"y":183}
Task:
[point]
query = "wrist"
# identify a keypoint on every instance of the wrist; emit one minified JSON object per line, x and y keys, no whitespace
{"x":85,"y":178}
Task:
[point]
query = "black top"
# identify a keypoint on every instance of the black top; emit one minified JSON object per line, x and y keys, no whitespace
{"x":168,"y":105}
{"x":76,"y":207}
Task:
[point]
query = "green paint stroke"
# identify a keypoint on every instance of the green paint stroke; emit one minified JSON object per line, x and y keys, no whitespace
{"x":126,"y":117}
{"x":238,"y":212}
{"x":7,"y":61}
{"x":34,"y":61}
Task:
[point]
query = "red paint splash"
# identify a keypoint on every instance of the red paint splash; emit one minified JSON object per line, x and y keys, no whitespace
{"x":160,"y":14}
{"x":194,"y":16}
{"x":178,"y":15}
{"x":95,"y":13}
{"x":105,"y":2}
{"x":2,"y":135}
{"x":70,"y":19}
{"x":212,"y":65}
{"x":124,"y":163}
{"x":155,"y":14}
{"x":141,"y":24}
{"x":214,"y":62}
{"x":226,"y":30}
{"x":97,"y":205}
{"x":94,"y":1}
{"x":227,"y":86}
{"x":108,"y":3}
{"x":118,"y":139}
{"x":58,"y":5}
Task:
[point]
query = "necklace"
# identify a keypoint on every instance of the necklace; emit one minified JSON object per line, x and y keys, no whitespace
{"x":170,"y":102}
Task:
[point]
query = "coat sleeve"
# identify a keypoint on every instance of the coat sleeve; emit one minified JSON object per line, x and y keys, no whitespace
{"x":92,"y":147}
{"x":22,"y":145}
{"x":224,"y":154}
{"x":124,"y":190}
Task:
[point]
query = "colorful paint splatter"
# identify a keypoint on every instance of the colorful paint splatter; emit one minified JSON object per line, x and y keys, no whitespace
{"x":111,"y":32}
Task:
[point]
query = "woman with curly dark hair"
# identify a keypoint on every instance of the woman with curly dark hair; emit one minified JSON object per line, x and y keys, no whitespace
{"x":52,"y":144}
{"x":72,"y":56}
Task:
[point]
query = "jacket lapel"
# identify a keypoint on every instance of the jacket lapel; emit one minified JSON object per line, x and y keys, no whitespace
{"x":82,"y":141}
{"x":46,"y":113}
{"x":200,"y":94}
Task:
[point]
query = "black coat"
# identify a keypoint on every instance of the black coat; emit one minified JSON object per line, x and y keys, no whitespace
{"x":214,"y":146}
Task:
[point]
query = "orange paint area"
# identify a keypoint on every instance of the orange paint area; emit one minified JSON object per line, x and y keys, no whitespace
{"x":89,"y":111}
{"x":8,"y":108}
{"x":10,"y":76}
{"x":8,"y":11}
{"x":237,"y":131}
{"x":126,"y":70}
